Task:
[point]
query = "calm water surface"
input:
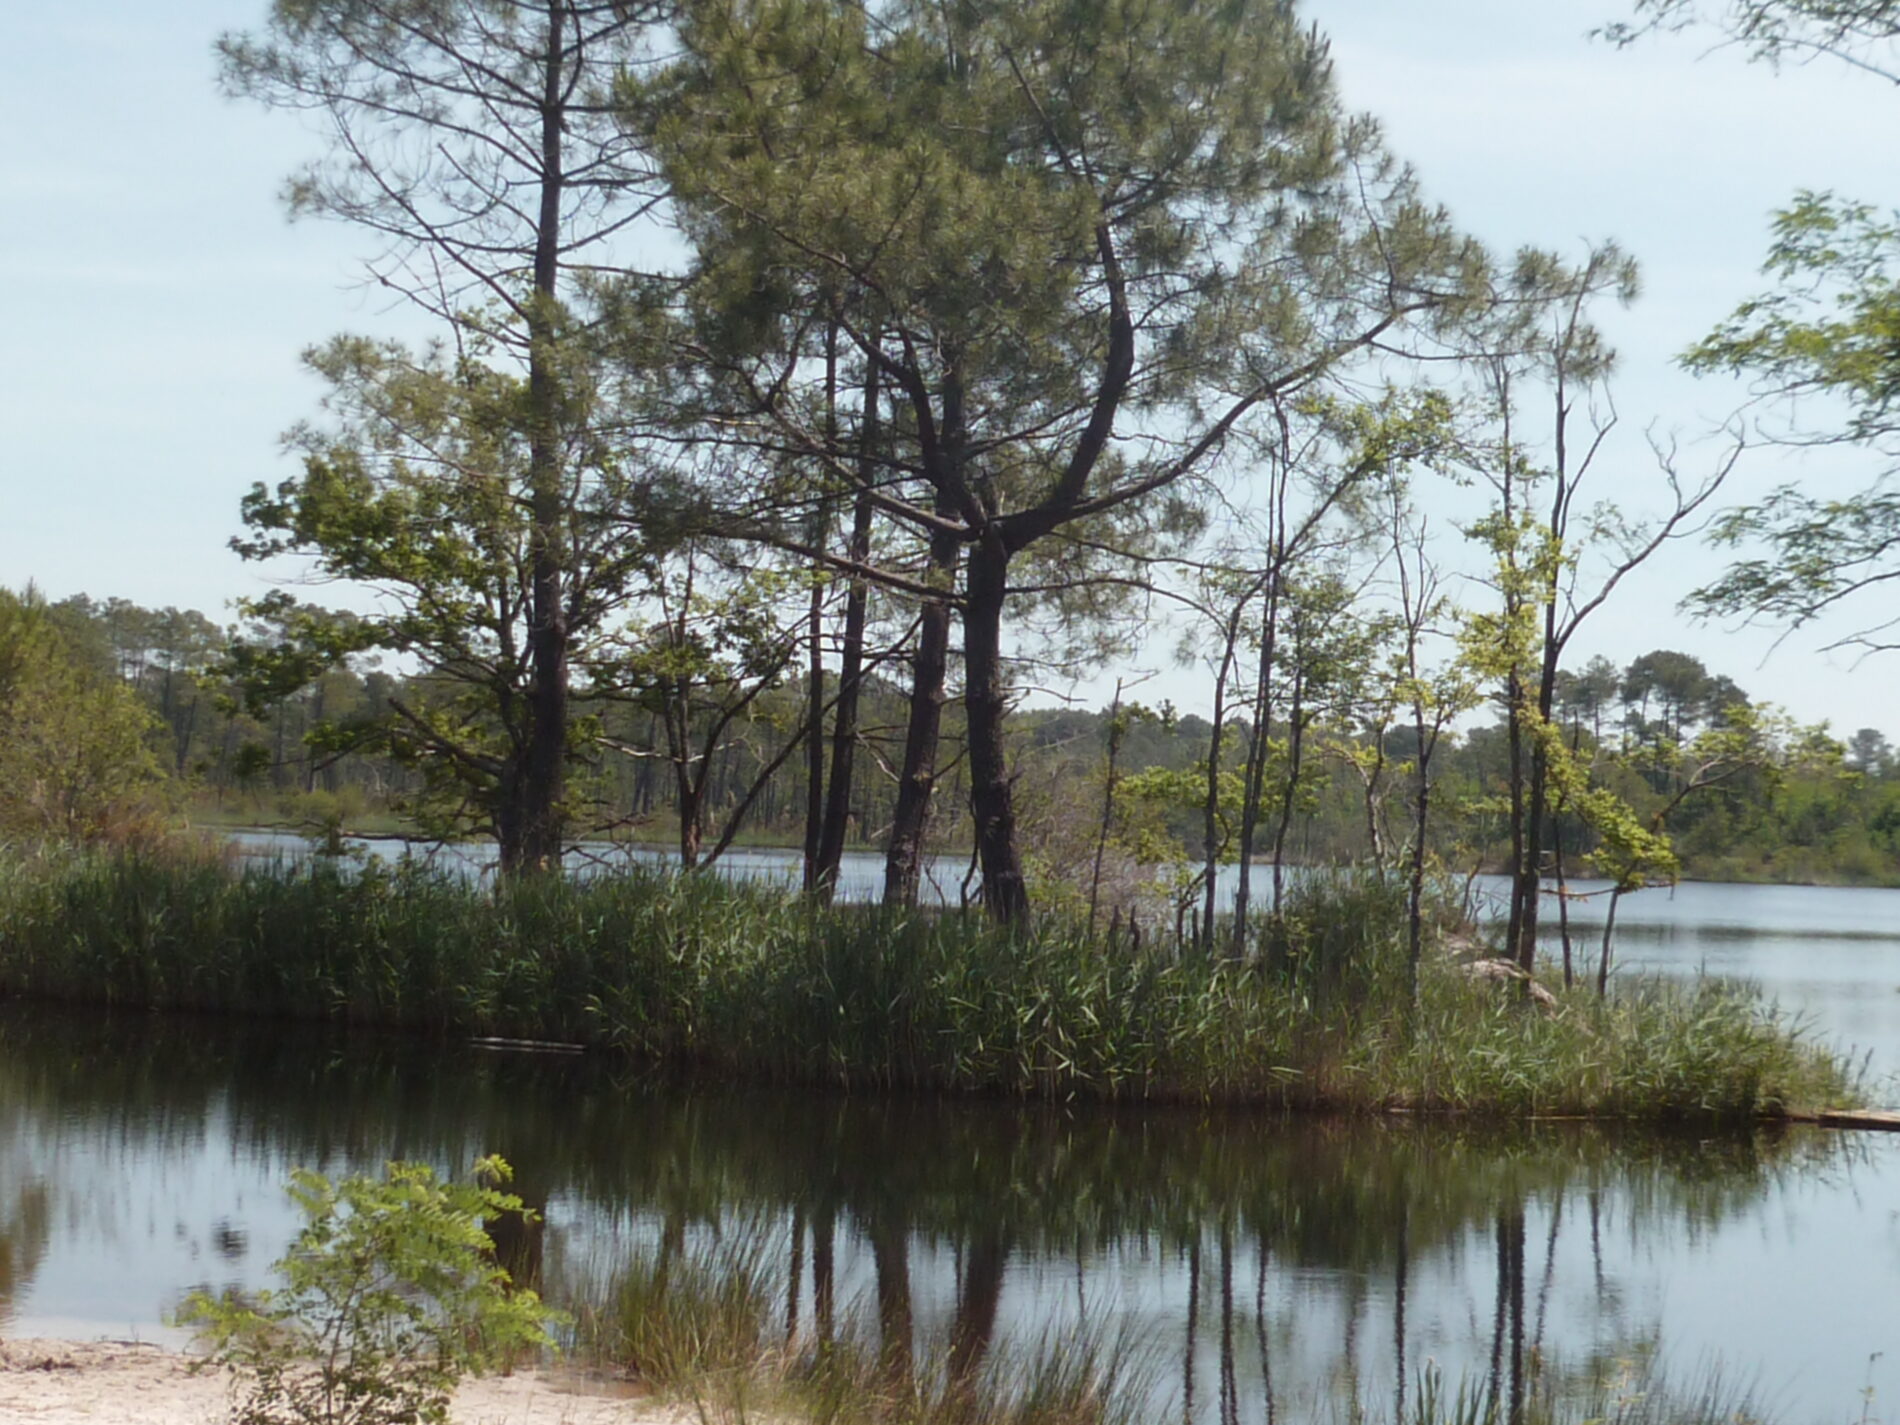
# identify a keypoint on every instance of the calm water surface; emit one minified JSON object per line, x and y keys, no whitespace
{"x":1251,"y":1263}
{"x":1259,"y":1268}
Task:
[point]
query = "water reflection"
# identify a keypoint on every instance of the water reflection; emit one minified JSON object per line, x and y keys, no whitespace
{"x":1273,"y":1265}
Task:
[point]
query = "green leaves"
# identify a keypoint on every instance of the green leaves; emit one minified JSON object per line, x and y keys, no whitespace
{"x":390,"y":1296}
{"x":1830,"y":329}
{"x":76,"y":761}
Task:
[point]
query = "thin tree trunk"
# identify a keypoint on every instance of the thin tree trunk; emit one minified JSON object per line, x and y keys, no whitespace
{"x":818,"y":537}
{"x":814,"y":729}
{"x":1108,"y":804}
{"x":1421,"y":818}
{"x":1603,"y":959}
{"x":1296,"y":744}
{"x":1210,"y":804}
{"x":844,"y":718}
{"x":1257,"y":753}
{"x":917,"y":778}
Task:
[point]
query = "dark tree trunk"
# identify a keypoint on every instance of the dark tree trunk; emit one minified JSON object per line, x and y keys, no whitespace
{"x":992,"y":805}
{"x":1254,"y":788}
{"x":1295,"y":754}
{"x":819,"y":537}
{"x":1519,"y":792}
{"x":538,"y":827}
{"x":1210,"y":804}
{"x":917,"y":778}
{"x":1415,"y":891}
{"x":814,"y":729}
{"x":844,"y":720}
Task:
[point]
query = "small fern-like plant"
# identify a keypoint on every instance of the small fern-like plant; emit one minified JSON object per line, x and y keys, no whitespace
{"x":390,"y":1295}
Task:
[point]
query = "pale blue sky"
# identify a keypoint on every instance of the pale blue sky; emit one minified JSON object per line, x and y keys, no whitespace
{"x":149,"y":359}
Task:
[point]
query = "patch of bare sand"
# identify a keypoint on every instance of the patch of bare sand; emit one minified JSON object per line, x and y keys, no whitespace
{"x":127,"y":1383}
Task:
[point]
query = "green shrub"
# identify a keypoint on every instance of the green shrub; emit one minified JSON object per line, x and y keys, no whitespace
{"x":391,"y":1295}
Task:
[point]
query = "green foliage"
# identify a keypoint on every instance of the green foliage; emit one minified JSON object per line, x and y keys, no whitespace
{"x":679,"y":1315}
{"x":417,"y":489}
{"x":1829,"y":328}
{"x":390,"y":1296}
{"x":76,"y":762}
{"x":750,"y":982}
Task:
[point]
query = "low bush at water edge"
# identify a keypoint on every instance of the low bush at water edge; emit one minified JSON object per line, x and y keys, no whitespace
{"x":749,"y":980}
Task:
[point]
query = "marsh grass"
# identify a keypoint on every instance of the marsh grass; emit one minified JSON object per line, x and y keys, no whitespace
{"x":749,"y":981}
{"x":699,"y":1324}
{"x":689,"y":1315}
{"x":702,"y":1325}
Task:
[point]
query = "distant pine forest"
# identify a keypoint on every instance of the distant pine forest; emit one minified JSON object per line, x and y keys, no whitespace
{"x":124,"y":717}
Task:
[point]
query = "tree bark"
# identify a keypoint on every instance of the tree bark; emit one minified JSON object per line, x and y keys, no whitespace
{"x":844,"y":719}
{"x":917,"y":778}
{"x":1257,"y":751}
{"x":539,"y":826}
{"x":992,"y":804}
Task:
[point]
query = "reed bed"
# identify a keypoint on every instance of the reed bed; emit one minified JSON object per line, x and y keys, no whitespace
{"x":701,"y":1324}
{"x":742,"y":980}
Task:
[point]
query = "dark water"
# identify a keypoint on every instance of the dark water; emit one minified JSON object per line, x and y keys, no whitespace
{"x":1250,"y":1262}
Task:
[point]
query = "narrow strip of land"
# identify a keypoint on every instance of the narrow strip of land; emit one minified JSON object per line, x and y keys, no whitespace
{"x":1880,"y":1120}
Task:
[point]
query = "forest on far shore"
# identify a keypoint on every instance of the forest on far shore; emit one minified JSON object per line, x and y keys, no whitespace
{"x":124,"y":718}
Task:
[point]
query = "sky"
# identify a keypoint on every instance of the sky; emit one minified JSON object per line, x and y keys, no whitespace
{"x":149,"y":359}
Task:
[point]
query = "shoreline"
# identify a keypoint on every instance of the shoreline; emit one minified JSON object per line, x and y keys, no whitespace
{"x":773,"y":842}
{"x":55,"y":1381}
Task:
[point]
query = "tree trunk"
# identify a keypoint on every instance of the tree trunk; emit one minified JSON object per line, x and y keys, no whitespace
{"x":917,"y":778}
{"x":1603,"y":957}
{"x":992,"y":805}
{"x":1295,"y":753}
{"x":818,"y":537}
{"x":814,"y":727}
{"x":844,"y":720}
{"x":1415,"y":892}
{"x":1210,"y":805}
{"x":1108,"y":806}
{"x":543,"y":784}
{"x":1257,"y":750}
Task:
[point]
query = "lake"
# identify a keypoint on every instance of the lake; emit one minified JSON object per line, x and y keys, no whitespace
{"x":1256,"y":1267}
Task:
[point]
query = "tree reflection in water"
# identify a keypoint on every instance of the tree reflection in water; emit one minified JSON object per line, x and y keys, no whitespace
{"x":950,"y":1230}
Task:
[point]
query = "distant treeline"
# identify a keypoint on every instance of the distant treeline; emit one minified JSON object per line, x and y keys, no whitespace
{"x":1106,"y":794}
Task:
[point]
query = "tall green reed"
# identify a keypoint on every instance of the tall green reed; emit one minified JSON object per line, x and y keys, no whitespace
{"x":748,"y":980}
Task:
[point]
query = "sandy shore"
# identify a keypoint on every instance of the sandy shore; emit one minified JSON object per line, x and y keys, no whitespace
{"x":91,"y":1382}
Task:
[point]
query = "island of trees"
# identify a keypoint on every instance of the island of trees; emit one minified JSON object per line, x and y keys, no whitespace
{"x":813,"y":386}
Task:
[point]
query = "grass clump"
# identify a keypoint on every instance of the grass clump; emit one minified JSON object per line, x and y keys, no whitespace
{"x":750,"y":981}
{"x":698,"y":1323}
{"x":1654,"y":1049}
